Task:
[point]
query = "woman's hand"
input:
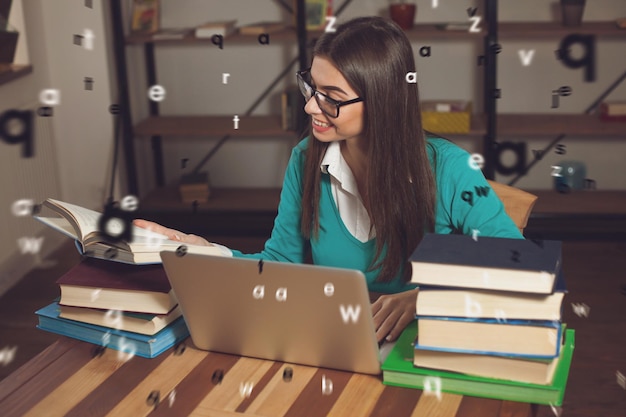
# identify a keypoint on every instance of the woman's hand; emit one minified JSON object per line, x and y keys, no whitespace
{"x":392,"y":313}
{"x":171,"y":234}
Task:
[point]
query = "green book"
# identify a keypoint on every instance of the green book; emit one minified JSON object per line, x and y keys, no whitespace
{"x":398,"y":370}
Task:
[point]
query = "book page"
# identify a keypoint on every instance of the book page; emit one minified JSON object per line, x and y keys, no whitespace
{"x":85,"y":219}
{"x":60,"y":224}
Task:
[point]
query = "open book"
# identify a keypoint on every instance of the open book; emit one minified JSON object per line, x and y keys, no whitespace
{"x":81,"y":224}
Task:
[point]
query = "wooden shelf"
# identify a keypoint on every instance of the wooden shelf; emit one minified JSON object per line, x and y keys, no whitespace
{"x":288,"y":34}
{"x":203,"y":126}
{"x":269,"y":126}
{"x":9,"y":73}
{"x":556,"y":29}
{"x":518,"y":30}
{"x":591,"y":203}
{"x":546,"y":125}
{"x":578,"y":215}
{"x":556,"y":124}
{"x":424,"y":31}
{"x":240,"y":200}
{"x":229,"y":212}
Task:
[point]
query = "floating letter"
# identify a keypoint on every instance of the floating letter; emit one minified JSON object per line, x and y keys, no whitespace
{"x":258,"y":292}
{"x":350,"y":313}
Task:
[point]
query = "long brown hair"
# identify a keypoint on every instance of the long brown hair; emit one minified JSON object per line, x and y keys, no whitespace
{"x":374,"y":56}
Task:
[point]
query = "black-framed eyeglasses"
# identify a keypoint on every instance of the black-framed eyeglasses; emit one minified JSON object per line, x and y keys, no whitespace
{"x":327,"y":105}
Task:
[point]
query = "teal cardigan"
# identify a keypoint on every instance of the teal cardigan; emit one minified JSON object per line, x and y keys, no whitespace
{"x":465,"y":202}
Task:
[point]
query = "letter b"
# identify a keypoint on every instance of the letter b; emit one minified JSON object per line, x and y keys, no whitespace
{"x":472,"y":308}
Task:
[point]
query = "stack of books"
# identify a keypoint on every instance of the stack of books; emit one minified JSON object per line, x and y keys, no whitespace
{"x":129,"y":308}
{"x":488,"y":320}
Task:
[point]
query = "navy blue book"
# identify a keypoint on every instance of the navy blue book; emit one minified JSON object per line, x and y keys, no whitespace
{"x":147,"y":346}
{"x":489,"y":263}
{"x":527,"y":338}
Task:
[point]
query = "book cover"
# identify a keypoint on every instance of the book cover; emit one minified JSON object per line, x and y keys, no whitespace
{"x":143,"y":323}
{"x":97,"y":283}
{"x":529,"y":338}
{"x":316,"y":12}
{"x":398,"y":370}
{"x":487,"y":262}
{"x":291,"y":105}
{"x":139,"y":344}
{"x":145,"y":16}
{"x":435,"y":300}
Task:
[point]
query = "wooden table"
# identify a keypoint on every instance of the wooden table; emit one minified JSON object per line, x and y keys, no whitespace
{"x":70,"y":378}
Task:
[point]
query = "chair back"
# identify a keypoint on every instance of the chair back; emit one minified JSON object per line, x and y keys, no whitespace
{"x":517,"y":203}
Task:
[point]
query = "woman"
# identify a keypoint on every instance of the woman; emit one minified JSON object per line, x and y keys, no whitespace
{"x":365,"y":185}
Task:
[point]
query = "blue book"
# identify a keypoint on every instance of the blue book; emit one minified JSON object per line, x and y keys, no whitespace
{"x":523,"y":338}
{"x":138,"y":344}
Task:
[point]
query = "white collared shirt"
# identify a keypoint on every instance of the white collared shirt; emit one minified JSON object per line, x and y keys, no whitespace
{"x":346,"y":194}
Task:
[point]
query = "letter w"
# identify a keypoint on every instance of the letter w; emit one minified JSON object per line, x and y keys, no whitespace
{"x":482,"y":191}
{"x":245,"y":389}
{"x":350,"y":313}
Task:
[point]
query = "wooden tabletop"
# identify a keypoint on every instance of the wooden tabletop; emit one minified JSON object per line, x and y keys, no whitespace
{"x":70,"y":378}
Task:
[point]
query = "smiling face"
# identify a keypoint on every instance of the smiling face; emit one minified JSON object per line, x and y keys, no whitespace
{"x":327,"y":79}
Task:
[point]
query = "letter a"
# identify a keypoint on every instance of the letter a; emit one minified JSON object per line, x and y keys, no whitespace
{"x":411,"y":77}
{"x":264,"y":38}
{"x":258,"y":292}
{"x":281,"y":294}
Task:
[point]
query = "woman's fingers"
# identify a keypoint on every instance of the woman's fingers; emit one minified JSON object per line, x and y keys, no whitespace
{"x":157,"y":228}
{"x":171,"y":234}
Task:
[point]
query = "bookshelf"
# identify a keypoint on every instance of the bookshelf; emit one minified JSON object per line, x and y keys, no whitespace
{"x":211,"y":126}
{"x":488,"y":125}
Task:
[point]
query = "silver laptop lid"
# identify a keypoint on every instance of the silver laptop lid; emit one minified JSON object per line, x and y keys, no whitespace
{"x":295,"y":313}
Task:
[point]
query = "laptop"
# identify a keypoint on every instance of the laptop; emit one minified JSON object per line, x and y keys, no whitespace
{"x":295,"y":313}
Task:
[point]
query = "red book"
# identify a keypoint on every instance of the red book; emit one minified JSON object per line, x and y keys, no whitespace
{"x":98,"y":283}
